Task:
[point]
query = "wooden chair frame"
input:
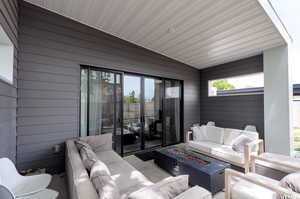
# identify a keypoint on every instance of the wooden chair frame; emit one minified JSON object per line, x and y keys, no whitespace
{"x":231,"y":176}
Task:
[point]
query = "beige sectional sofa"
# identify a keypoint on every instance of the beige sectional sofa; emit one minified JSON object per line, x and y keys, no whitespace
{"x":126,"y":177}
{"x":217,"y":143}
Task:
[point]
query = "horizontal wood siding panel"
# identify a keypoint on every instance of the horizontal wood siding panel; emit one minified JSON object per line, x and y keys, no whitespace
{"x":8,"y":92}
{"x":51,"y":51}
{"x":233,"y":111}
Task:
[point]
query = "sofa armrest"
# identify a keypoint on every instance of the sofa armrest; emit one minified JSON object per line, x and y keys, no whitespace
{"x":188,"y":136}
{"x":249,"y":148}
{"x":231,"y":176}
{"x":99,"y":143}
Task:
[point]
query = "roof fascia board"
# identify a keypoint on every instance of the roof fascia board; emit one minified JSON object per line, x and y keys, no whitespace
{"x":274,"y":17}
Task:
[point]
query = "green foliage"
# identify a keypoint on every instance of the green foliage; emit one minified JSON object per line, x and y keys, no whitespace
{"x":222,"y":85}
{"x":131,"y":98}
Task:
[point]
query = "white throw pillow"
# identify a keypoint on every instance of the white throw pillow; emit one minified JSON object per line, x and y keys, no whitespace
{"x":199,"y":133}
{"x":230,"y":135}
{"x":215,"y":134}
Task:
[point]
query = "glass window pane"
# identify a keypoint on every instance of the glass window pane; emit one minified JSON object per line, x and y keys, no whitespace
{"x":245,"y":84}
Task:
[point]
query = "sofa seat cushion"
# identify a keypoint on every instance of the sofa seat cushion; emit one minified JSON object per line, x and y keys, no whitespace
{"x":204,"y":146}
{"x":127,"y":177}
{"x":226,"y":152}
{"x":109,"y":157}
{"x":246,"y":190}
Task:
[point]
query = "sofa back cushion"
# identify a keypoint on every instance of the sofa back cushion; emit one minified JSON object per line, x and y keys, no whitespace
{"x":215,"y":134}
{"x":230,"y":135}
{"x":199,"y":133}
{"x":99,"y":143}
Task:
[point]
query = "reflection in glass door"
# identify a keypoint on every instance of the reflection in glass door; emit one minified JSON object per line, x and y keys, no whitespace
{"x":153,"y":128}
{"x":172,"y":112}
{"x":101,"y":104}
{"x":132,"y":120}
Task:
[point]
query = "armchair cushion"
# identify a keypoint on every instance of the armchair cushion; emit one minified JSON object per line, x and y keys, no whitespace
{"x":247,"y":190}
{"x":228,"y":153}
{"x":292,"y":182}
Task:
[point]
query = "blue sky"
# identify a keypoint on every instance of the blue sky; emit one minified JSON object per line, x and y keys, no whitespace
{"x":289,"y":12}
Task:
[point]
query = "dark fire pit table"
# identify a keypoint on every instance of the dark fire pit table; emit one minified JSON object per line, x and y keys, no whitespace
{"x":204,"y":171}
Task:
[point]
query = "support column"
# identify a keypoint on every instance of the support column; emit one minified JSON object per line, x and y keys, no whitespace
{"x":277,"y":101}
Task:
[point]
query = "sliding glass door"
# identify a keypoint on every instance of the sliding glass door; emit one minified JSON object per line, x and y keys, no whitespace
{"x":142,"y":112}
{"x":172,"y":112}
{"x":153,"y":128}
{"x":101,"y":104}
{"x":132,"y":116}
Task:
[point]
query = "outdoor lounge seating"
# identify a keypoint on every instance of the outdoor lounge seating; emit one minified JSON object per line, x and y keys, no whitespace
{"x":126,"y":177}
{"x":19,"y":185}
{"x":217,"y":142}
{"x":256,"y":186}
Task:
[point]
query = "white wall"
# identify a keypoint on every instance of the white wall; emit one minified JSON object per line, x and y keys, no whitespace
{"x":277,"y":101}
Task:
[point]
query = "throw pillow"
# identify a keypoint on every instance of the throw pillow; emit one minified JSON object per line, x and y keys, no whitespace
{"x":88,"y":157}
{"x":240,"y":142}
{"x":80,"y":144}
{"x":103,"y":182}
{"x":165,"y":189}
{"x":291,"y":182}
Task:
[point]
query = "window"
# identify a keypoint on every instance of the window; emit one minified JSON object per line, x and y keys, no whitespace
{"x":238,"y":85}
{"x":6,"y":57}
{"x":296,"y":123}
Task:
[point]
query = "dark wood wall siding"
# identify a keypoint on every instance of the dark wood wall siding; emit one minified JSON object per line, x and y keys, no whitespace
{"x":232,"y":111}
{"x":8,"y":92}
{"x":51,"y":50}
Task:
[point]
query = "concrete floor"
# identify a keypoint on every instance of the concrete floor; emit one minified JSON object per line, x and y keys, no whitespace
{"x":148,"y":168}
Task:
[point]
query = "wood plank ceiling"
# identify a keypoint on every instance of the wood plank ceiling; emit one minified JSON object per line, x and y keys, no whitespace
{"x":200,"y":33}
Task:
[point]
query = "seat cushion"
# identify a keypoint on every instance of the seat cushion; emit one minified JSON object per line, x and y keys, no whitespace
{"x":167,"y":188}
{"x":215,"y":134}
{"x":109,"y":157}
{"x":127,"y":177}
{"x":246,"y":190}
{"x":228,"y":153}
{"x":204,"y":146}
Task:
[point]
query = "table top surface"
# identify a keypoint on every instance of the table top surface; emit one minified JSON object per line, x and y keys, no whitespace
{"x":210,"y":166}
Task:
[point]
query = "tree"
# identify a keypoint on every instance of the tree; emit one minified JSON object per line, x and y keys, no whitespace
{"x":131,"y":98}
{"x":222,"y":85}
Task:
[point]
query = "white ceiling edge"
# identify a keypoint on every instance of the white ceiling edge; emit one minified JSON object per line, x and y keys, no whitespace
{"x":276,"y":20}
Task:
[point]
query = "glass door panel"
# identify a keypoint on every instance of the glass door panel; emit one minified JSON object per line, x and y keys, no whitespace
{"x":172,"y":112}
{"x":132,"y":126}
{"x":153,"y":128}
{"x":119,"y":113}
